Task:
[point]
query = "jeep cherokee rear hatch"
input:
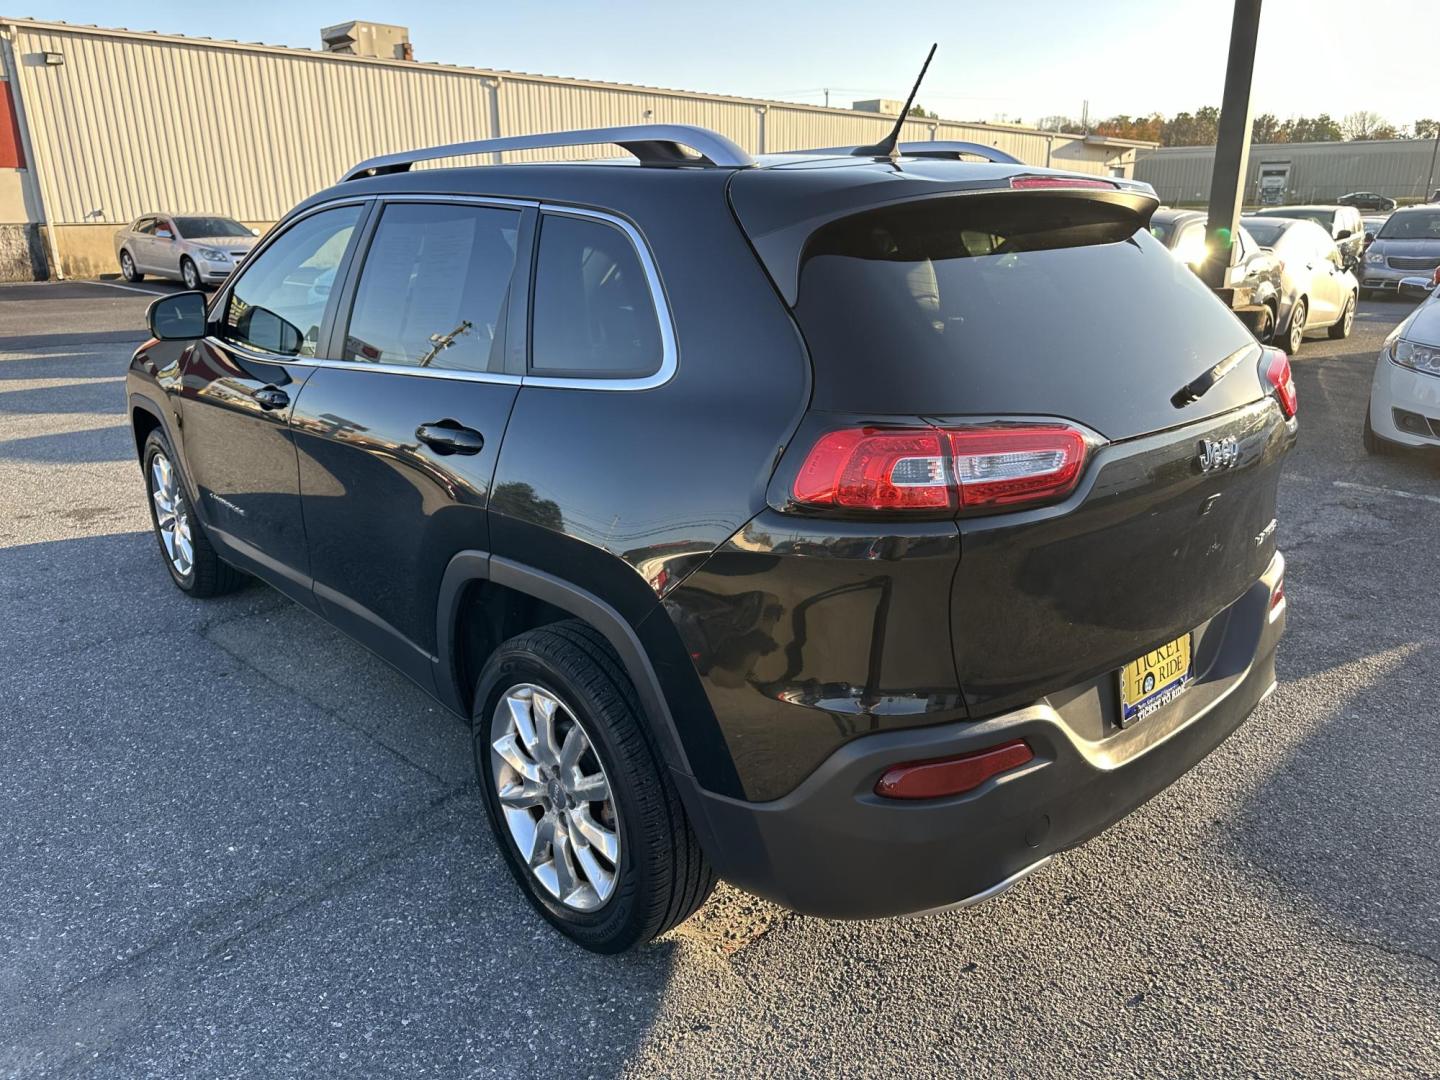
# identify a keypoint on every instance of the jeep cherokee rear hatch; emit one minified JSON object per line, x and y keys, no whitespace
{"x":1017,"y":351}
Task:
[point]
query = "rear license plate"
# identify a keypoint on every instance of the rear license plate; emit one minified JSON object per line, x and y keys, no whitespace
{"x":1152,"y":681}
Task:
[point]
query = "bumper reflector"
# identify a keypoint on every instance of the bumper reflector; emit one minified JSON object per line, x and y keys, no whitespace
{"x":952,"y":775}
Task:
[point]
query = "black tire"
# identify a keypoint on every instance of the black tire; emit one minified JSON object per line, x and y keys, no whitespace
{"x":208,"y":574}
{"x":127,"y":267}
{"x":662,"y":875}
{"x":1343,"y":325}
{"x":189,"y":274}
{"x":1295,"y":333}
{"x":1265,"y":331}
{"x":1374,"y":444}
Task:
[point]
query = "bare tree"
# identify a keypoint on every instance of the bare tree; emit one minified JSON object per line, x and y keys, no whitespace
{"x":1367,"y":125}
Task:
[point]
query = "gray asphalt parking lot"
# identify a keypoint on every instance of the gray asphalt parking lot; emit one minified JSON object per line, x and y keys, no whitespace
{"x":234,"y":844}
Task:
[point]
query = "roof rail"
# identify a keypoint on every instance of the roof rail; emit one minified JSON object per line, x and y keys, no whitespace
{"x":652,"y":144}
{"x":937,"y":148}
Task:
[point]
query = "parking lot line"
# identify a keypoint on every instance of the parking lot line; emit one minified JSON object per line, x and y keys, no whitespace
{"x":1375,"y":490}
{"x":127,"y":288}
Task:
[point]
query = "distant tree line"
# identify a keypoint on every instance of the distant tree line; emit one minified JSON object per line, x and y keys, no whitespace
{"x":1200,"y":128}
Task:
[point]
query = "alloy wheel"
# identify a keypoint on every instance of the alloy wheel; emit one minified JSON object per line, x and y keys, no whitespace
{"x":1349,"y":318}
{"x":191,"y":275}
{"x":172,"y":514}
{"x":127,"y":266}
{"x":1297,"y":328}
{"x":555,"y":797}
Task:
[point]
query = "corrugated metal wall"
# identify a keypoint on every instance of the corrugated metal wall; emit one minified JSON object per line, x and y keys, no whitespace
{"x":131,"y":122}
{"x":1319,"y":172}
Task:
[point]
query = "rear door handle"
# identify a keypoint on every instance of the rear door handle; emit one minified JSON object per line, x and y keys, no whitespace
{"x":450,"y":437}
{"x":270,"y":397}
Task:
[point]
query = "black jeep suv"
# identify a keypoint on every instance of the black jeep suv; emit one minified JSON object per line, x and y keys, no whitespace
{"x":860,"y":529}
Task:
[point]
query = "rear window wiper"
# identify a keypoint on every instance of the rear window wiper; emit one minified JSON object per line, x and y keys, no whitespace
{"x":1197,"y":388}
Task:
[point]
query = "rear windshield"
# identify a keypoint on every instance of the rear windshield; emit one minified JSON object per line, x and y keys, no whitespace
{"x":1320,"y":217}
{"x":1412,"y":225}
{"x":1265,"y":232}
{"x":210,"y":226}
{"x":993,"y":304}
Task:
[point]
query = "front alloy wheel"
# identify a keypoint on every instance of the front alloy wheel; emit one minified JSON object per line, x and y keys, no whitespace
{"x":172,"y":515}
{"x":555,"y":797}
{"x":190,"y":274}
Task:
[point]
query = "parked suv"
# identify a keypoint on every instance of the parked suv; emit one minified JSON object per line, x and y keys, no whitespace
{"x":863,"y":530}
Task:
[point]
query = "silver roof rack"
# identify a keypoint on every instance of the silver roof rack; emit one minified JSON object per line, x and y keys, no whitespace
{"x":652,"y":144}
{"x":936,"y":148}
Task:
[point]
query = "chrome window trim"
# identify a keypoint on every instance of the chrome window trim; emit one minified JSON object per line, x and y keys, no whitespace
{"x":669,"y":359}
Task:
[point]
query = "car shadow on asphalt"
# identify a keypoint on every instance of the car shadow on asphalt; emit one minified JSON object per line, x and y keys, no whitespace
{"x":225,"y":819}
{"x":113,"y":443}
{"x":93,"y":395}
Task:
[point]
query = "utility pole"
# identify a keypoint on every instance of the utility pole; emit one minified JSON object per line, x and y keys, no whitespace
{"x":1435,"y":153}
{"x":1232,"y":149}
{"x":827,"y":97}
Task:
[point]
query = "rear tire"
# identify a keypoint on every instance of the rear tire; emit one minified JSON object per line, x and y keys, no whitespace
{"x":1295,"y":335}
{"x":659,"y":876}
{"x":193,"y":564}
{"x":1374,"y":444}
{"x":1341,"y":330}
{"x":127,"y":268}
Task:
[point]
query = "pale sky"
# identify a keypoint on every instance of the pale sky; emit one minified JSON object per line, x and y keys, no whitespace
{"x":1017,"y":59}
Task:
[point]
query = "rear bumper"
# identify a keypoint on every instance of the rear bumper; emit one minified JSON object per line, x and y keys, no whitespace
{"x":833,"y":848}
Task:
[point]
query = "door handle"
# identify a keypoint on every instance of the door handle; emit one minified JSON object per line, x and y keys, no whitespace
{"x":450,"y":437}
{"x":270,"y":397}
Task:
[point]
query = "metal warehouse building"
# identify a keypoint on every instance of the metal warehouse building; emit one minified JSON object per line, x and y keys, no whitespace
{"x":98,"y":126}
{"x":1298,"y":172}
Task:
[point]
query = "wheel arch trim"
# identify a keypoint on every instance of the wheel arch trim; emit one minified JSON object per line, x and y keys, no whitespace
{"x":467,"y":567}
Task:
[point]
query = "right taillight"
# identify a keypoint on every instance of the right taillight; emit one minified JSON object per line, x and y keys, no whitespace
{"x":975,"y":469}
{"x":1275,"y":367}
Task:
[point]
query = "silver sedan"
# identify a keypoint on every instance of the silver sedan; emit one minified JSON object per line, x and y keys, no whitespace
{"x":198,"y":249}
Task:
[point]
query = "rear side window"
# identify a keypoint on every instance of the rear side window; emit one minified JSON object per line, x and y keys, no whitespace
{"x":593,"y":313}
{"x":145,"y":225}
{"x":434,"y":288}
{"x":980,"y":304}
{"x":279,"y":301}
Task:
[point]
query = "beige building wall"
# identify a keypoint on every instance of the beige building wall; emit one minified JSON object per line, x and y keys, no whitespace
{"x":130,"y":122}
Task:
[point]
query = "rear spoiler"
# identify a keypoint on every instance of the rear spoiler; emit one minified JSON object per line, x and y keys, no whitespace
{"x":782,"y":249}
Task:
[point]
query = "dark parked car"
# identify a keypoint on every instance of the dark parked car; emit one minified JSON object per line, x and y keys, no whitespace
{"x":1253,"y":281}
{"x":1341,"y":223}
{"x":863,"y":530}
{"x":1366,"y":200}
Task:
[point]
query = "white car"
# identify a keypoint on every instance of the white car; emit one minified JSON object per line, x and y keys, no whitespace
{"x":1405,"y":393}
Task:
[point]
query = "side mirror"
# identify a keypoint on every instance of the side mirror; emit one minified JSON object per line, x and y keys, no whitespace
{"x":1415,"y":288}
{"x":178,"y":317}
{"x":1344,"y":234}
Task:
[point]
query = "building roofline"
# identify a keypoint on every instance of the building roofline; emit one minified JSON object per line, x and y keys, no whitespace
{"x":1282,"y":147}
{"x":157,"y":37}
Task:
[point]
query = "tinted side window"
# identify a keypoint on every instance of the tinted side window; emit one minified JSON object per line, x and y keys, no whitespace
{"x":279,"y":301}
{"x":593,"y":313}
{"x":434,"y":288}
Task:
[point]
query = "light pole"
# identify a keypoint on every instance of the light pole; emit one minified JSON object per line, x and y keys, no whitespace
{"x":1232,"y":148}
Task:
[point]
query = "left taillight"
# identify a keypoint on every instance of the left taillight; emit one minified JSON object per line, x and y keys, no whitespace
{"x":971,"y":469}
{"x":1275,"y":367}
